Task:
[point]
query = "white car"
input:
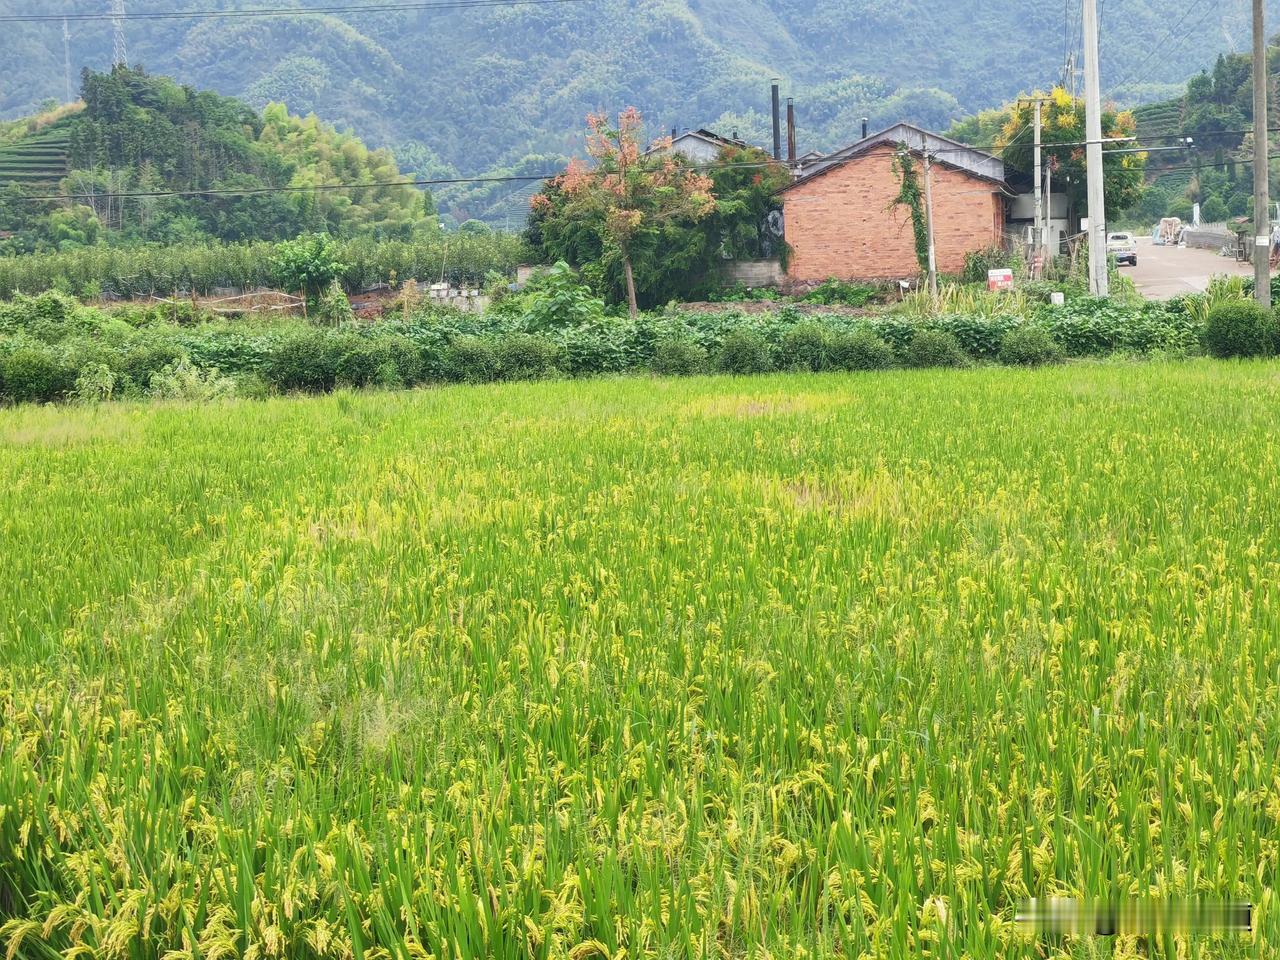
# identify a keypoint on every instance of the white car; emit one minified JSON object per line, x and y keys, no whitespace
{"x":1124,"y":247}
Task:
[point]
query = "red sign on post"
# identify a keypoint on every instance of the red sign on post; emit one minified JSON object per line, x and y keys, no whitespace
{"x":1000,"y":279}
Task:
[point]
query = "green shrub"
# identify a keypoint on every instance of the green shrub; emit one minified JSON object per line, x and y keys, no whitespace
{"x":360,"y":363}
{"x":979,"y":335}
{"x":526,"y":356}
{"x":1042,"y":291}
{"x":403,"y":355}
{"x":744,"y":352}
{"x":333,"y":307}
{"x":979,"y":262}
{"x":252,"y":386}
{"x":304,"y":360}
{"x":95,"y":383}
{"x":935,"y":348}
{"x":1029,"y":346}
{"x":806,"y":346}
{"x":470,"y":359}
{"x":36,"y":374}
{"x":605,"y":346}
{"x":54,"y":306}
{"x":229,"y":350}
{"x":145,"y":358}
{"x":308,"y":264}
{"x":184,"y":381}
{"x":382,"y":361}
{"x":678,"y":356}
{"x":860,"y":350}
{"x":835,"y":291}
{"x":1239,"y":329}
{"x":558,"y":300}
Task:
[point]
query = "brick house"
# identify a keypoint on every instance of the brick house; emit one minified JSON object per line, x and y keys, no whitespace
{"x":841,"y":220}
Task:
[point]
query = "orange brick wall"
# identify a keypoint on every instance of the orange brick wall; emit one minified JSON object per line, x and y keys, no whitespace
{"x":842,"y":224}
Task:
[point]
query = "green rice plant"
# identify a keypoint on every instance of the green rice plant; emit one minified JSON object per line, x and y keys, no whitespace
{"x":795,"y":665}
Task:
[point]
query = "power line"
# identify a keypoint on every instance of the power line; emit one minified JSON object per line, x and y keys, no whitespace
{"x":328,"y":187}
{"x":420,"y":5}
{"x":1133,"y":77}
{"x":259,"y":191}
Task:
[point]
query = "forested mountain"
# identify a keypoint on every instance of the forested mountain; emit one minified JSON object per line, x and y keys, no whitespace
{"x":148,"y":137}
{"x":1216,"y":171}
{"x":465,"y":91}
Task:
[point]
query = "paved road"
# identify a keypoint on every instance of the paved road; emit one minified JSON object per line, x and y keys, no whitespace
{"x":1164,"y":272}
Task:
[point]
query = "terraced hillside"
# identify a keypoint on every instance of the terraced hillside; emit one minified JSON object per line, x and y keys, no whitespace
{"x":38,"y":160}
{"x":1156,"y":119}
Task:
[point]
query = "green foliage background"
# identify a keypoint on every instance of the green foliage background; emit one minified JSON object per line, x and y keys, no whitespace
{"x":141,"y":134}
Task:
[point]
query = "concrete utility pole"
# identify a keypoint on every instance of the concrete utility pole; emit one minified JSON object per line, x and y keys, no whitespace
{"x":1261,"y":169}
{"x":1046,"y":241}
{"x":1039,"y":178}
{"x":928,"y":222}
{"x":1099,"y":281}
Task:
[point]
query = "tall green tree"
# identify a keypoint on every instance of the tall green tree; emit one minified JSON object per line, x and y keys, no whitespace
{"x":1063,"y":136}
{"x":627,"y":196}
{"x":675,"y":257}
{"x":308,"y":264}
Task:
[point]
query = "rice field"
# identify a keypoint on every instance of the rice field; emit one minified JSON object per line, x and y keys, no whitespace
{"x":839,"y":666}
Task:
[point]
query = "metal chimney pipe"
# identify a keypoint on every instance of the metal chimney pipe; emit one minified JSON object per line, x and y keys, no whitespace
{"x":791,"y":130}
{"x":777,"y":125}
{"x":865,"y":121}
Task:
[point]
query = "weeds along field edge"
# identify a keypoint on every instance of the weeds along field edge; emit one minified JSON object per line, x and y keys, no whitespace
{"x":845,"y":665}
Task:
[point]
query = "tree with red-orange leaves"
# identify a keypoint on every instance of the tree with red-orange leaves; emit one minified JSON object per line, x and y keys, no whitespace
{"x":626,"y":190}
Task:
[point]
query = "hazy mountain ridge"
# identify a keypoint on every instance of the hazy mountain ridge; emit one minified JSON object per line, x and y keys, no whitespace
{"x":469,"y":91}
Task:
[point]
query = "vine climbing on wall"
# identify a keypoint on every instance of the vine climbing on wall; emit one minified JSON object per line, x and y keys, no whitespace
{"x":911,"y":196}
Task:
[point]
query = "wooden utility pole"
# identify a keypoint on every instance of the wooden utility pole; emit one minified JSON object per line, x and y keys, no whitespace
{"x":928,"y":222}
{"x":1261,"y":168}
{"x":1099,"y":280}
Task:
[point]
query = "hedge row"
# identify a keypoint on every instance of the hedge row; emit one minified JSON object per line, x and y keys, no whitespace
{"x":53,"y":349}
{"x":132,"y":272}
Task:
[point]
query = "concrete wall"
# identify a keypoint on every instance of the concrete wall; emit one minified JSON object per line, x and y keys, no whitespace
{"x":1209,"y":238}
{"x":695,"y":149}
{"x":752,"y":273}
{"x":844,"y":224}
